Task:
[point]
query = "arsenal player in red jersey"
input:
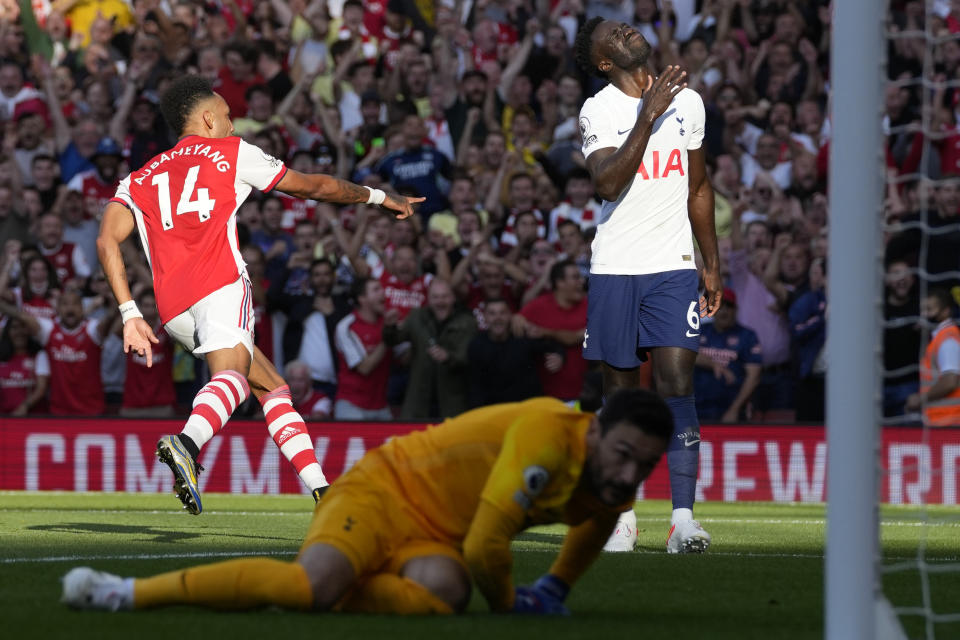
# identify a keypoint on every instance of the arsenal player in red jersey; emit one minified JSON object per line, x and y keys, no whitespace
{"x":183,"y":204}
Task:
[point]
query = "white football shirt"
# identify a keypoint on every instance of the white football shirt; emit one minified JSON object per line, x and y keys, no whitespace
{"x":646,"y":230}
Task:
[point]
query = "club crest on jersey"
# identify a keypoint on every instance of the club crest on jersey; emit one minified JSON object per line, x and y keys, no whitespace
{"x":680,"y":120}
{"x":535,"y":478}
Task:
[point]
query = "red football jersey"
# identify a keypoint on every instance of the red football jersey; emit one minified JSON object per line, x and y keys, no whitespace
{"x":404,"y":297}
{"x":18,"y":377}
{"x":185,"y":203}
{"x":75,"y":385}
{"x":355,"y":338}
{"x":36,"y":306}
{"x":67,"y":261}
{"x":150,"y":386}
{"x":96,"y":193}
{"x":295,"y":210}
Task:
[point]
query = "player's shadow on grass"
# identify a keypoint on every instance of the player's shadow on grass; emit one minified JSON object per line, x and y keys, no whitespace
{"x":153,"y":534}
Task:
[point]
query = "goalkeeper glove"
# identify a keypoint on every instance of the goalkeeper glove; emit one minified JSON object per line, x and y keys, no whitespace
{"x":545,"y":596}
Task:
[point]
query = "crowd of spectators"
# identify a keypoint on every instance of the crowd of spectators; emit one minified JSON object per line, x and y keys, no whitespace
{"x":473,"y":104}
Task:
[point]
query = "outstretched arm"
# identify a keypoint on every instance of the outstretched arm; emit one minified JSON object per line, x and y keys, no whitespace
{"x":324,"y":188}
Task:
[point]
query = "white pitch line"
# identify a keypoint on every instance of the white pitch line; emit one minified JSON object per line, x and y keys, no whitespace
{"x":809,"y":521}
{"x":236,"y":554}
{"x":148,"y":556}
{"x":716,"y":519}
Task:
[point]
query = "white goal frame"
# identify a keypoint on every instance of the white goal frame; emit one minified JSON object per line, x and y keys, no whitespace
{"x":854,"y":605}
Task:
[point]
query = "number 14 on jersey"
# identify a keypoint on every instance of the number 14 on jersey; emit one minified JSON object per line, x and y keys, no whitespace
{"x":203,"y":205}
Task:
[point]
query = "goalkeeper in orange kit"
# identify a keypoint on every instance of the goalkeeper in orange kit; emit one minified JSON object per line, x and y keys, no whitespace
{"x":419,"y":520}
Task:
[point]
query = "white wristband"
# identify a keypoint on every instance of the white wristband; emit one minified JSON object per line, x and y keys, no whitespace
{"x":129,"y":310}
{"x":377,"y":196}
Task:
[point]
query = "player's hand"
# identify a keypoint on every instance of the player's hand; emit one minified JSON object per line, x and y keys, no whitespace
{"x":438,"y":353}
{"x":401,"y":204}
{"x":660,"y":94}
{"x":545,"y":596}
{"x":138,"y":335}
{"x":712,"y":293}
{"x":553,"y":362}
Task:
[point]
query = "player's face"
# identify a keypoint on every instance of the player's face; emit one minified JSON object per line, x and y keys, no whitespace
{"x":725,"y":317}
{"x":932,"y":310}
{"x":570,"y":240}
{"x":18,"y":333}
{"x":405,"y":264}
{"x":619,"y":461}
{"x":440,"y":299}
{"x":222,"y":125}
{"x":321,"y":278}
{"x":621,"y":45}
{"x":900,"y":279}
{"x":374,"y":296}
{"x":51,"y":231}
{"x":70,"y":309}
{"x":497,"y":316}
{"x":298,"y":379}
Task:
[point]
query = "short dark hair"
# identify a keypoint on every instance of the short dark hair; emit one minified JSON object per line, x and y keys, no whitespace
{"x":257,"y":88}
{"x":473,"y":73}
{"x":567,"y":222}
{"x":583,"y":47}
{"x":247,"y":51}
{"x":641,"y":408}
{"x":181,"y":98}
{"x":359,"y":288}
{"x":321,"y":261}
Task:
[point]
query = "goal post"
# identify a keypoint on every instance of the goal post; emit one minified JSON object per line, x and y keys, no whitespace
{"x":853,"y":598}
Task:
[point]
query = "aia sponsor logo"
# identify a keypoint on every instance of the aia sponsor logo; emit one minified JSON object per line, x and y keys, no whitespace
{"x":660,"y":169}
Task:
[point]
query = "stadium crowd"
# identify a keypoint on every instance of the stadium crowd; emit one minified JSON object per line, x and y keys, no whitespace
{"x":473,"y":104}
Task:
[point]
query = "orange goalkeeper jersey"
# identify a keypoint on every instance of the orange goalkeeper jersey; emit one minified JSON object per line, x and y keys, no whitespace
{"x":487,"y":474}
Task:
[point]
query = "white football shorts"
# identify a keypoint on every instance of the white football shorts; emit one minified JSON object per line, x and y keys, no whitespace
{"x":221,"y":320}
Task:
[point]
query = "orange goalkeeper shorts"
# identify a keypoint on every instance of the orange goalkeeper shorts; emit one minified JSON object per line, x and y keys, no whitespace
{"x":367,"y":524}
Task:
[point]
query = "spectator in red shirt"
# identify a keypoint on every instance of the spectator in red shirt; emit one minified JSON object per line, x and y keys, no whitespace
{"x":73,"y":344}
{"x":238,"y":74}
{"x":560,"y":314}
{"x":148,"y":390}
{"x":312,"y":404}
{"x":364,"y":357}
{"x":24,"y":370}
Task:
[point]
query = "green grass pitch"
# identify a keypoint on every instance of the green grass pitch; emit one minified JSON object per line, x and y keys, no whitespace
{"x":762,"y":578}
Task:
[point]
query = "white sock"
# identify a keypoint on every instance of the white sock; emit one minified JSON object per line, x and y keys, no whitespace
{"x":680,"y":515}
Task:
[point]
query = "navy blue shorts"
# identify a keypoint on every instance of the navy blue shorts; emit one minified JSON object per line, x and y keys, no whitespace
{"x":628,"y":315}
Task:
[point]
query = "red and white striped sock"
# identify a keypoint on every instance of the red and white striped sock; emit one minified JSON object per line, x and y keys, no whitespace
{"x":214,"y":405}
{"x":287,"y":429}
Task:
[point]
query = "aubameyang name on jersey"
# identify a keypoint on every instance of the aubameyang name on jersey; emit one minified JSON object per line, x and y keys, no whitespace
{"x":223,"y":165}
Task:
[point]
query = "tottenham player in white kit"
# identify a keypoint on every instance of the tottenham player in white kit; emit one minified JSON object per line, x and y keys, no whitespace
{"x":642,"y":139}
{"x":183,"y":204}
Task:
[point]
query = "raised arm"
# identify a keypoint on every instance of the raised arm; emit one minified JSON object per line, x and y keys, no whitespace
{"x":613,"y":169}
{"x":324,"y":188}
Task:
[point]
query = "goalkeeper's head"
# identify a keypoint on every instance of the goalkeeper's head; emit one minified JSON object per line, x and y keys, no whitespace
{"x":625,"y":441}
